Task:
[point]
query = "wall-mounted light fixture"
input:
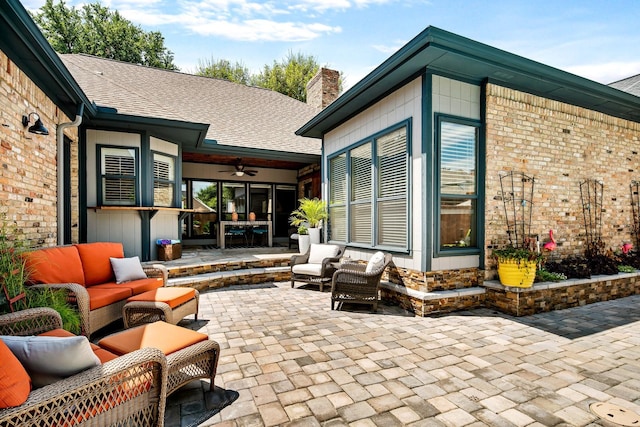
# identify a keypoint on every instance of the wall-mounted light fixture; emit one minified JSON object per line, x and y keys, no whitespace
{"x":38,"y":127}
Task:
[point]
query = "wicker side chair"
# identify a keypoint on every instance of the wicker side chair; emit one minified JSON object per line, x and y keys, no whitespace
{"x":352,"y":283}
{"x":129,"y":390}
{"x":314,"y":269}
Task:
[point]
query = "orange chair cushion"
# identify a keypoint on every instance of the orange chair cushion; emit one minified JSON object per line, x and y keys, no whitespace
{"x":96,"y":263}
{"x":15,"y":384}
{"x":102,"y":297}
{"x":164,"y":336}
{"x":173,"y":297}
{"x":55,"y":265}
{"x":136,"y":286}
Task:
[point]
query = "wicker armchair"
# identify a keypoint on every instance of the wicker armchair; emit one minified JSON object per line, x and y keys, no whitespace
{"x":129,"y":390}
{"x":352,"y":283}
{"x":313,"y":268}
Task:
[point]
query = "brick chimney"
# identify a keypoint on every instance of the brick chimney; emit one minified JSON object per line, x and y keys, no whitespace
{"x":323,"y":88}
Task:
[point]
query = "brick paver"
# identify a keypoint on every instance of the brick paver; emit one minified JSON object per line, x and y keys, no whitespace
{"x":295,"y":362}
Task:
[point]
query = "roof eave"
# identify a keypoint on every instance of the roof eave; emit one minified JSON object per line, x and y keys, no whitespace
{"x":24,"y":44}
{"x":425,"y":51}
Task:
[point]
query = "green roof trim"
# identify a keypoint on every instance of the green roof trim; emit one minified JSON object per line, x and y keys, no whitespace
{"x":26,"y":46}
{"x":439,"y":51}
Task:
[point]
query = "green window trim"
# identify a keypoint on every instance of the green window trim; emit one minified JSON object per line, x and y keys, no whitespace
{"x":458,"y":186}
{"x":369,"y":191}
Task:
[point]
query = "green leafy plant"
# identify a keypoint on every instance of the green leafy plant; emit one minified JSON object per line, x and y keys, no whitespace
{"x":14,"y":274}
{"x":543,"y":275}
{"x":310,"y":211}
{"x":516,"y":254}
{"x":302,"y":230}
{"x":626,"y":269}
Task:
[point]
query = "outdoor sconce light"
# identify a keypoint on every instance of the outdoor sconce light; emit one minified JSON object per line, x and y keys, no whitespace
{"x":38,"y":127}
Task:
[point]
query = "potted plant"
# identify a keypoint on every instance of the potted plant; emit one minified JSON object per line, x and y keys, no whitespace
{"x":517,"y":266}
{"x":310,"y":213}
{"x":304,"y":240}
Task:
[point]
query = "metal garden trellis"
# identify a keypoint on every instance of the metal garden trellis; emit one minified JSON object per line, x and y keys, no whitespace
{"x":591,"y":193}
{"x":635,"y":208}
{"x":517,"y":198}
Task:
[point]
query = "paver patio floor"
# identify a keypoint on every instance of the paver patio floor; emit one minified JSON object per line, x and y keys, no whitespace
{"x":295,"y":362}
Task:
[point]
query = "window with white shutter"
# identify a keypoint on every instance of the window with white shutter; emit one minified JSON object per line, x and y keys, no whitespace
{"x":338,"y":198}
{"x":164,"y":177}
{"x":118,"y":172}
{"x":368,"y":192}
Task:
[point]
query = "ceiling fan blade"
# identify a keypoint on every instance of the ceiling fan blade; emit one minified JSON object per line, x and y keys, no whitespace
{"x":251,"y":173}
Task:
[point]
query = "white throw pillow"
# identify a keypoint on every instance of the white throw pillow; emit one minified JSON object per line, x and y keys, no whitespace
{"x":321,"y":251}
{"x":127,"y":269}
{"x":375,"y":263}
{"x":50,"y":359}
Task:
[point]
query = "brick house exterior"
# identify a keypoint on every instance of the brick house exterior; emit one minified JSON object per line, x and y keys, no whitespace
{"x":467,"y":113}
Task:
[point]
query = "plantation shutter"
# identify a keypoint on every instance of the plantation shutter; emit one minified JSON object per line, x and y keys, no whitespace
{"x":392,"y":188}
{"x":118,"y":176}
{"x":338,"y":198}
{"x":163,"y":180}
{"x":361,"y":181}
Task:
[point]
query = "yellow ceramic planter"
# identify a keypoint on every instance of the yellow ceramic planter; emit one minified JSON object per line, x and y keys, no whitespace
{"x":519,"y":274}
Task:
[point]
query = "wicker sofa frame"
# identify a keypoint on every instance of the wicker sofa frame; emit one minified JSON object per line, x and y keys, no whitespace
{"x":329,"y":266}
{"x":101,"y":396}
{"x":92,"y":320}
{"x":351,"y":283}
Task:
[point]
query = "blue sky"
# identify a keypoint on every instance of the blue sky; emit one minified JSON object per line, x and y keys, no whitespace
{"x":598,"y":40}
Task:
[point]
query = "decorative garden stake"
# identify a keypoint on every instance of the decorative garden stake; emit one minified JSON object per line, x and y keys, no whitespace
{"x":591,"y":192}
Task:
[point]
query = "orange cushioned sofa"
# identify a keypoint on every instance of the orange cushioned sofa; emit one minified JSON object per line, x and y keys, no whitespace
{"x":85,"y":270}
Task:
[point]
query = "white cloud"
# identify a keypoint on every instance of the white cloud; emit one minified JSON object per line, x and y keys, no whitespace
{"x":607,"y":72}
{"x":389,"y":49}
{"x":263,"y":30}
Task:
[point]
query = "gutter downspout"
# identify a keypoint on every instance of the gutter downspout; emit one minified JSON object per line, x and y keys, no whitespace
{"x":60,"y":168}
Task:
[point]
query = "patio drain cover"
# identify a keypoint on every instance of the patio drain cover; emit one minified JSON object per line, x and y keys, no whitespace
{"x":615,"y":414}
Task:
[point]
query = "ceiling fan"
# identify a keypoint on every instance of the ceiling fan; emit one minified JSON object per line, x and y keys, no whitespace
{"x":240,"y":169}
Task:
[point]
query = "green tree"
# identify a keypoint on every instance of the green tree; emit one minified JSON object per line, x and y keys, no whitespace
{"x":209,"y":196}
{"x":289,"y":76}
{"x":224,"y":69}
{"x":96,"y":30}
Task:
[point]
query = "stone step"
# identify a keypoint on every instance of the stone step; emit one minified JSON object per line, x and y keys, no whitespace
{"x":241,"y":276}
{"x":223,"y":265}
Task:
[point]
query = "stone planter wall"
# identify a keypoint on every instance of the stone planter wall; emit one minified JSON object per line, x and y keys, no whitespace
{"x":544,"y":297}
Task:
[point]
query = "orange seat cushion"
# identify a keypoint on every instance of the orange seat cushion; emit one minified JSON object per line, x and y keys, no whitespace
{"x":164,"y":336}
{"x":103,"y":297}
{"x":15,"y":384}
{"x":173,"y":297}
{"x":135,"y":286}
{"x":96,"y":263}
{"x":102,"y":354}
{"x":55,"y":265}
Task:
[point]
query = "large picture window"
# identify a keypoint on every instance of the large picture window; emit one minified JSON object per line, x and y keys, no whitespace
{"x":368,"y":191}
{"x":118,"y":176}
{"x":164,"y":179}
{"x":457,"y":148}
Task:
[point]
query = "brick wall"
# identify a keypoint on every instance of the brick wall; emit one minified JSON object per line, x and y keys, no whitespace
{"x":560,"y":145}
{"x":28,"y":186}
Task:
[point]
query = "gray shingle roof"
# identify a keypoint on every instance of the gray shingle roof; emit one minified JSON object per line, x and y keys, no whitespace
{"x":238,"y":115}
{"x":630,"y":85}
